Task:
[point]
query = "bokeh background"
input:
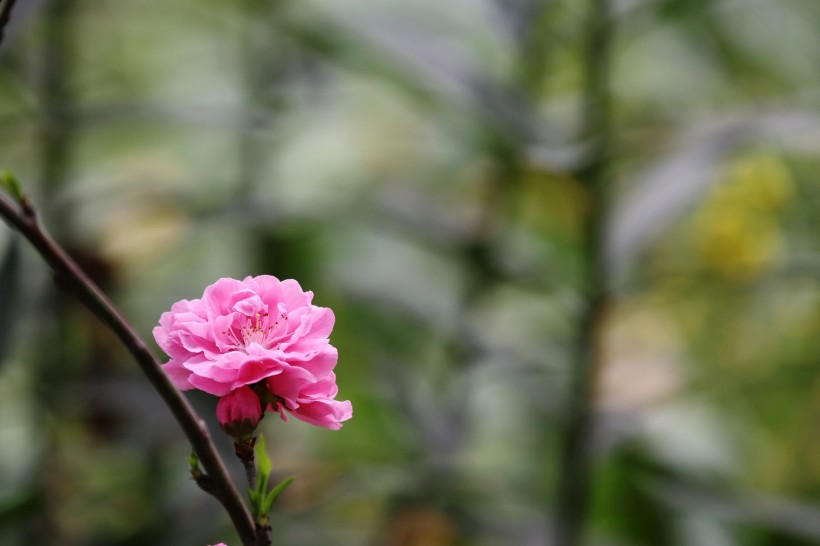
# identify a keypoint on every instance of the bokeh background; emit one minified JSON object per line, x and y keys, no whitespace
{"x":561,"y":239}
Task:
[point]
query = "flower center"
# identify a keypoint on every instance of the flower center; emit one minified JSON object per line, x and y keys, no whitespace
{"x":258,"y":329}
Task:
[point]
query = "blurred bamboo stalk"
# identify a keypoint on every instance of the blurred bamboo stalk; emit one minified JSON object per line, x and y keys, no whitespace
{"x":57,"y":123}
{"x":574,"y":487}
{"x":55,"y":156}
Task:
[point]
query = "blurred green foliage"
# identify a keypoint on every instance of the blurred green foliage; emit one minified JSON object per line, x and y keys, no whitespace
{"x":416,"y":164}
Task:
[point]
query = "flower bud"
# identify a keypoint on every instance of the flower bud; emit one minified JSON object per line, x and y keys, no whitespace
{"x":239,"y":412}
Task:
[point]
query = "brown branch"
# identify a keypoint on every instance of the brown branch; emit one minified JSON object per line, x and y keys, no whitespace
{"x":5,"y":17}
{"x":24,"y":219}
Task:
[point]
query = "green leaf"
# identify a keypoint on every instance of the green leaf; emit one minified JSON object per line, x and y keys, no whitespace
{"x":261,"y":499}
{"x":193,"y":465}
{"x":263,"y":471}
{"x":193,"y":461}
{"x":12,"y":186}
{"x":261,"y":485}
{"x":263,"y":464}
{"x":253,"y":496}
{"x":274,"y":494}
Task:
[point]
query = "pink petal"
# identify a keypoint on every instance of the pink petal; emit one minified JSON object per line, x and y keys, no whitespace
{"x":325,"y":413}
{"x":177,"y":374}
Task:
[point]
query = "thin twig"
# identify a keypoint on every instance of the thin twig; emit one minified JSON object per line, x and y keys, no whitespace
{"x":575,"y":466}
{"x":5,"y":17}
{"x":24,"y":219}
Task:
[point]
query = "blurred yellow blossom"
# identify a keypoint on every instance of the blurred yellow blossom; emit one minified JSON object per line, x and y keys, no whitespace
{"x":759,"y":182}
{"x":736,"y":232}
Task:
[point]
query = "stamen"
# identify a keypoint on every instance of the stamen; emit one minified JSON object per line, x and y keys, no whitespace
{"x":256,"y":329}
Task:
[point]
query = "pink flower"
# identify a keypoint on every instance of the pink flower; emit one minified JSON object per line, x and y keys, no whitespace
{"x":220,"y":544}
{"x":239,"y":412}
{"x":259,"y":332}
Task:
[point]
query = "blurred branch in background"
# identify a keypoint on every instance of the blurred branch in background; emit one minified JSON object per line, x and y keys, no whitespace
{"x":5,"y":16}
{"x":796,"y":520}
{"x":574,"y":465}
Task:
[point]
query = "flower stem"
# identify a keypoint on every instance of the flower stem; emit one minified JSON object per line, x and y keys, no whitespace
{"x":244,"y":451}
{"x":23,"y":218}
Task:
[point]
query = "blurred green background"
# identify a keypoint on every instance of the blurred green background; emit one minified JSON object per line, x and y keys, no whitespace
{"x":433,"y":172}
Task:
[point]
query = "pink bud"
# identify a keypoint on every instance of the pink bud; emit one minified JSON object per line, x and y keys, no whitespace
{"x":239,"y":412}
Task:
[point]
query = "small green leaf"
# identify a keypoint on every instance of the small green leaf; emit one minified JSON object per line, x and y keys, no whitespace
{"x":263,"y":464}
{"x":257,"y":496}
{"x":193,"y":465}
{"x":264,"y":467}
{"x":261,"y":486}
{"x":261,"y":499}
{"x":12,"y":186}
{"x":274,"y":494}
{"x":253,"y":496}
